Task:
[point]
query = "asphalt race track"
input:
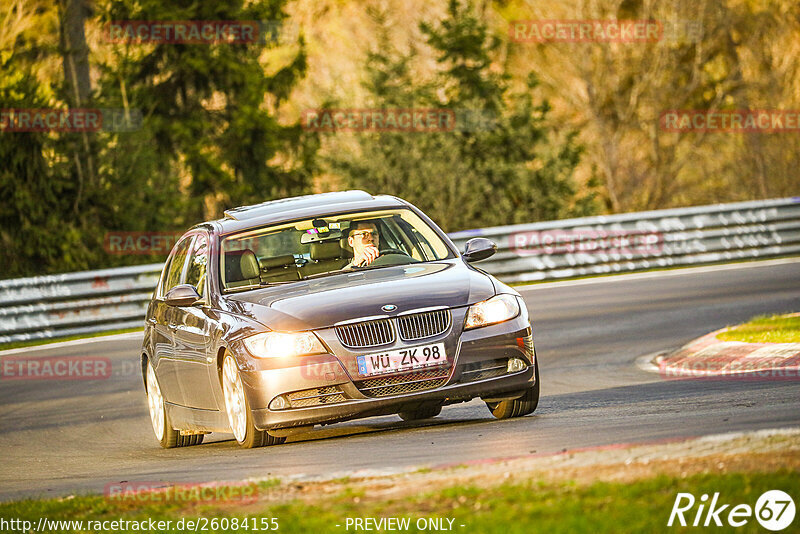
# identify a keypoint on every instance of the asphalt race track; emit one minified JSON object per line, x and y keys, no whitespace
{"x":63,"y":437}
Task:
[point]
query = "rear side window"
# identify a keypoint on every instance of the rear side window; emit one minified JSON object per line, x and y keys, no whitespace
{"x":174,"y":269}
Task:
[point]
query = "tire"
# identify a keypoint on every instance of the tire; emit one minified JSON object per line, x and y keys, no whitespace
{"x":524,"y":405}
{"x":195,"y":439}
{"x":167,"y":436}
{"x":421,"y":413}
{"x":237,"y":408}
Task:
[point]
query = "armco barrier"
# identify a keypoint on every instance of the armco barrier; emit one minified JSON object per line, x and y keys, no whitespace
{"x":635,"y":241}
{"x":110,"y":299}
{"x":75,"y":303}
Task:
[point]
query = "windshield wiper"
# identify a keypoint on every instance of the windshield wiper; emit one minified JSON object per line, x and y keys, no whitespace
{"x":258,"y":286}
{"x":326,"y":273}
{"x":241,"y":288}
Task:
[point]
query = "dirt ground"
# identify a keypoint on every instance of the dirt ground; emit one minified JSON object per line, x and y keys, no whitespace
{"x":761,"y":451}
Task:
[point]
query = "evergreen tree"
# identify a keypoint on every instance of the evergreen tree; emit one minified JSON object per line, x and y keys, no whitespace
{"x":212,"y":108}
{"x":36,"y":225}
{"x":500,"y":165}
{"x":205,"y":137}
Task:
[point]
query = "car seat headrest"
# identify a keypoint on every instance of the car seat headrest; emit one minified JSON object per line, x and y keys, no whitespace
{"x":241,"y":265}
{"x":326,"y":250}
{"x":277,"y":262}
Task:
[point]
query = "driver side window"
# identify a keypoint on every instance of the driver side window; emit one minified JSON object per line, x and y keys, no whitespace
{"x":198,"y":261}
{"x":173,"y":271}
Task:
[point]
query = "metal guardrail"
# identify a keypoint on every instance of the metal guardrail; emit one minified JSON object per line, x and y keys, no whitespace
{"x":72,"y":304}
{"x":111,"y":299}
{"x":638,"y":241}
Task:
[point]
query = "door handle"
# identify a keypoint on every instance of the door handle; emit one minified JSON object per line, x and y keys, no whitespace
{"x":172,"y":327}
{"x":152,"y":321}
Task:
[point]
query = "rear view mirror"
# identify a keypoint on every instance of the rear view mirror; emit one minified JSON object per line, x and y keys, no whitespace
{"x":182,"y":295}
{"x":478,"y":249}
{"x":321,"y":230}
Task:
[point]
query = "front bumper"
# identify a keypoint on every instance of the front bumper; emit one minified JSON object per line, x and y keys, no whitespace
{"x":326,"y":388}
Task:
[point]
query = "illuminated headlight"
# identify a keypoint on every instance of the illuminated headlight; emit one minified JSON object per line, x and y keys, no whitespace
{"x":280,"y":345}
{"x":492,"y":311}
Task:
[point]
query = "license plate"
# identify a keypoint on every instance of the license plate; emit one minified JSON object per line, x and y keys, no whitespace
{"x":392,"y":361}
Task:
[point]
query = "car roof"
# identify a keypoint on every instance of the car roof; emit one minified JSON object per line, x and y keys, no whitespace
{"x":303,"y":207}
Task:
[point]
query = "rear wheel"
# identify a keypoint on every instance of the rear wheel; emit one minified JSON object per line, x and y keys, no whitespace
{"x":421,"y":413}
{"x":167,"y":436}
{"x":524,"y":405}
{"x":237,"y":407}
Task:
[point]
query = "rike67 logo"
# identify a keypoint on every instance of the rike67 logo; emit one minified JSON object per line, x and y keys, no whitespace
{"x":774,"y":510}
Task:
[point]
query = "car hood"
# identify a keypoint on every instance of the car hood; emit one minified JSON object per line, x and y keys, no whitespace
{"x":323,"y":302}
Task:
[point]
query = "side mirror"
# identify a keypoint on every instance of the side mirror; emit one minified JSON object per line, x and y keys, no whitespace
{"x":182,"y":295}
{"x":478,"y":249}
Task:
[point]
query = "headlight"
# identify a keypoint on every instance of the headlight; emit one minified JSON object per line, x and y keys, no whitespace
{"x":280,"y":345}
{"x":492,"y":311}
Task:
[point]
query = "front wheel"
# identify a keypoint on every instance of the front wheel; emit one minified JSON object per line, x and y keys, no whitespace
{"x":237,"y":407}
{"x":167,"y":436}
{"x":524,"y":405}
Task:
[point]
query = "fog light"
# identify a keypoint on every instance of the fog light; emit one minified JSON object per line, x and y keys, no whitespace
{"x":279,"y":403}
{"x":515,"y":365}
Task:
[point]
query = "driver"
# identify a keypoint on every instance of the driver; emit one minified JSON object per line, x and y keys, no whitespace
{"x":365,"y":240}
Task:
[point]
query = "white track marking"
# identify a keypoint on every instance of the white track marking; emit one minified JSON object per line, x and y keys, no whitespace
{"x":600,"y":279}
{"x":73,"y":342}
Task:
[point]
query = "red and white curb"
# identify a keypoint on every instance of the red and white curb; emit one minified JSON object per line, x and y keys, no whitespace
{"x":709,"y":357}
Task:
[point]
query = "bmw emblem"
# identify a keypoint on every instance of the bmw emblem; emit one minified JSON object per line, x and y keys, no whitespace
{"x":389,"y":307}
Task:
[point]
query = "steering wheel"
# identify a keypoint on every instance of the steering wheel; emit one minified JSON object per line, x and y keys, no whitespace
{"x":390,"y":256}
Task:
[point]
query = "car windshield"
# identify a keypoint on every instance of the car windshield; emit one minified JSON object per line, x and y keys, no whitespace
{"x":323,"y":246}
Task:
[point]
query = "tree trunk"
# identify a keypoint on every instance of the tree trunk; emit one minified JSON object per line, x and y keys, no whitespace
{"x":75,"y":55}
{"x":74,"y":51}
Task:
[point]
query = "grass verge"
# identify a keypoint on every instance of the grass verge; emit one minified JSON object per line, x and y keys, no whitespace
{"x":532,"y":505}
{"x":766,"y":329}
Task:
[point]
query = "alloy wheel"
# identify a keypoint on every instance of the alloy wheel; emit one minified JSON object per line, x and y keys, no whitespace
{"x":235,"y":404}
{"x":155,"y":401}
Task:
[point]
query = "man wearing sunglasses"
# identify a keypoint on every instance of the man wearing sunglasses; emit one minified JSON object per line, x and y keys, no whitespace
{"x":365,"y":240}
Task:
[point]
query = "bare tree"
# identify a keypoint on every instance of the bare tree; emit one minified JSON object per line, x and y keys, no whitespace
{"x":713,"y":54}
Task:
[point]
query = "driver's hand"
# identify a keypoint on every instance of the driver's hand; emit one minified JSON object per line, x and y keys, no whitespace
{"x":366,"y":256}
